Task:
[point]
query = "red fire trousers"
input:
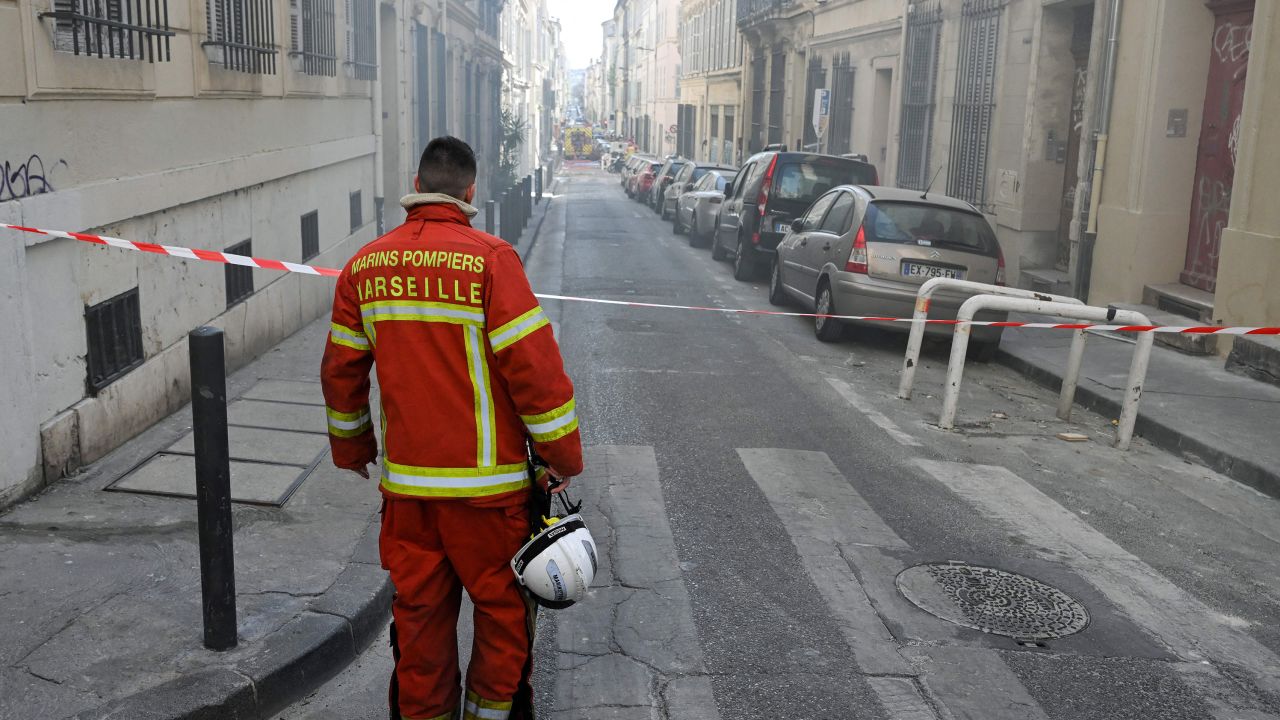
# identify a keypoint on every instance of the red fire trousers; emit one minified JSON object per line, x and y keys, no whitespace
{"x":433,"y":549}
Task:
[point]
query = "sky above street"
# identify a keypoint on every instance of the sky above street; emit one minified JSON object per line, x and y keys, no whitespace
{"x":580,"y":20}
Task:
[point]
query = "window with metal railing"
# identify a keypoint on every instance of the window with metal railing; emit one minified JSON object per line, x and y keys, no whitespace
{"x":975,"y":100}
{"x":113,"y":329}
{"x":362,"y":39}
{"x":843,"y":75}
{"x":239,"y":277}
{"x":919,"y":86}
{"x":125,"y":29}
{"x":242,"y":35}
{"x":313,"y":37}
{"x":777,"y":90}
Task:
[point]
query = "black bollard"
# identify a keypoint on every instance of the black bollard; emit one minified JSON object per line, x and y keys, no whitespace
{"x":537,"y":185}
{"x":504,"y":219}
{"x":527,"y":198}
{"x":213,"y":486}
{"x":490,"y":207}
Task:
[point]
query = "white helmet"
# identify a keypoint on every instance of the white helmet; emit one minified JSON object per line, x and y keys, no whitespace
{"x":558,"y":564}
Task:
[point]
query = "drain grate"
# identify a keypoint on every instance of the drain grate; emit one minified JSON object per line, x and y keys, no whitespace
{"x":993,"y":601}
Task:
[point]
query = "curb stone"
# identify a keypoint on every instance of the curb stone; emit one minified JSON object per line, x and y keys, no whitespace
{"x":1262,"y":479}
{"x":289,"y":663}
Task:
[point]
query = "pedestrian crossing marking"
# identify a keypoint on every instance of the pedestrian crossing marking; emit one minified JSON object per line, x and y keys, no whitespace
{"x":847,"y":392}
{"x":1188,"y":627}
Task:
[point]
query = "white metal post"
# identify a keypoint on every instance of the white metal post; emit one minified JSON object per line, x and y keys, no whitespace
{"x":1087,"y":313}
{"x":924,"y":296}
{"x":1071,"y":377}
{"x":1133,"y":390}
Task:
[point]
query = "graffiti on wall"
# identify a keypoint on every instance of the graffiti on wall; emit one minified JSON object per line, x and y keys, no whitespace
{"x":27,"y":179}
{"x":1232,"y":42}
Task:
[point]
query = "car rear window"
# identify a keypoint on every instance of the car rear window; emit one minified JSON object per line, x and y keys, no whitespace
{"x":929,"y":225}
{"x":698,"y":172}
{"x":806,"y":180}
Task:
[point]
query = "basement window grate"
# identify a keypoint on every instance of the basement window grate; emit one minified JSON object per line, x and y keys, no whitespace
{"x":310,"y":235}
{"x":239,"y":277}
{"x":126,"y":29}
{"x":242,"y":35}
{"x":357,"y":211}
{"x":114,"y":331}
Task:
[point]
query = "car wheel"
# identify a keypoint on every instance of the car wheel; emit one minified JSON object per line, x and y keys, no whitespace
{"x":677,"y":227}
{"x":666,"y":215}
{"x":717,"y":252}
{"x":826,"y":329}
{"x":744,"y":262}
{"x":777,"y":296}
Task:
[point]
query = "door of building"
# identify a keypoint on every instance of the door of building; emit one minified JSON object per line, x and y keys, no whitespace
{"x":1219,"y":133}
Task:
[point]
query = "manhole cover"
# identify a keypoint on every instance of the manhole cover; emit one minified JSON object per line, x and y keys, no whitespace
{"x":993,"y":601}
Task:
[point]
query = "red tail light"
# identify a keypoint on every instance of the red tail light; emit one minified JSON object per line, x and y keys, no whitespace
{"x":1000,"y":276}
{"x":763,"y":198}
{"x":858,"y":255}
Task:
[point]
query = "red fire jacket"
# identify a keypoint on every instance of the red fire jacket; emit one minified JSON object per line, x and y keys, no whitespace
{"x":467,"y":363}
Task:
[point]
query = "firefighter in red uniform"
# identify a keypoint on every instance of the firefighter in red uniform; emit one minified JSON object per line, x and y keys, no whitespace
{"x":468,"y":369}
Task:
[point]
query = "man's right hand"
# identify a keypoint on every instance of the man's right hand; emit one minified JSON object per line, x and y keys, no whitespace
{"x":544,"y":481}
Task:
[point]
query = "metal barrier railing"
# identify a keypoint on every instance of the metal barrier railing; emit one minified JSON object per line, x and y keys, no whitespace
{"x":1137,"y":367}
{"x":924,"y":298}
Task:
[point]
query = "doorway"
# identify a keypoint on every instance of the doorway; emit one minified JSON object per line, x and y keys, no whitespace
{"x":1219,"y":133}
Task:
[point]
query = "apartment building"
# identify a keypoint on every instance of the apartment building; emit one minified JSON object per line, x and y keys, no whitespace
{"x":1186,"y":222}
{"x":710,"y":81}
{"x":533,"y":81}
{"x":283,"y":130}
{"x":648,"y":72}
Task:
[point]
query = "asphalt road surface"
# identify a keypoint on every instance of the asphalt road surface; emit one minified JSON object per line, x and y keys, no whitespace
{"x":766,"y":507}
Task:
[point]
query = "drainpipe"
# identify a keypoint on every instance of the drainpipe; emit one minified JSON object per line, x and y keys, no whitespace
{"x":1104,"y":116}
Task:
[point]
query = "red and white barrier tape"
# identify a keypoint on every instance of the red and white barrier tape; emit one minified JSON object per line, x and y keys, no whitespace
{"x":283,"y":266}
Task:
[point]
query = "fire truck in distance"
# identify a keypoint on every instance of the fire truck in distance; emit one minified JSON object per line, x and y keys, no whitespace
{"x":579,"y":144}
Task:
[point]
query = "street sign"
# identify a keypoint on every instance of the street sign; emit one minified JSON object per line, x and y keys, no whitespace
{"x":821,"y":110}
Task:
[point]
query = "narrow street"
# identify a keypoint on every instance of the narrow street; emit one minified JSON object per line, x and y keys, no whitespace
{"x":763,"y":501}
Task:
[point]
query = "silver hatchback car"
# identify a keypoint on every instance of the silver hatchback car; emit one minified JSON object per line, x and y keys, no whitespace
{"x":865,"y":250}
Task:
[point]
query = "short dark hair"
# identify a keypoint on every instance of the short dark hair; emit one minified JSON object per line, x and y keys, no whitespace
{"x":448,"y":166}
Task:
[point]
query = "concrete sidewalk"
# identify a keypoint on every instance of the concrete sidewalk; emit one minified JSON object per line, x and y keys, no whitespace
{"x":100,"y":605}
{"x":1190,"y":405}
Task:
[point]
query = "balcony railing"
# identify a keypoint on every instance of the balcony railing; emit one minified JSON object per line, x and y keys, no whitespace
{"x":751,"y":12}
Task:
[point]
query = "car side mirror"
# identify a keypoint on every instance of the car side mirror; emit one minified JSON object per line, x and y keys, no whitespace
{"x":797,"y":225}
{"x":688,"y":187}
{"x":728,"y":189}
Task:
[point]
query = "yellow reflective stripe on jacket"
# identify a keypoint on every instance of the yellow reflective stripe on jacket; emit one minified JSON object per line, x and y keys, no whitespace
{"x":553,"y":424}
{"x":422,"y":312}
{"x":486,"y":426}
{"x":453,"y":482}
{"x":477,"y":708}
{"x":346,"y":425}
{"x":510,"y":333}
{"x":345,"y":336}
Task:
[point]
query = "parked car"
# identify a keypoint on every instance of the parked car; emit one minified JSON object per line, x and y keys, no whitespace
{"x":683,"y":182}
{"x":625,"y":170}
{"x":770,"y":190}
{"x":864,"y":250}
{"x":632,"y":174}
{"x":629,"y":169}
{"x":697,"y":208}
{"x":665,"y":175}
{"x":644,"y":181}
